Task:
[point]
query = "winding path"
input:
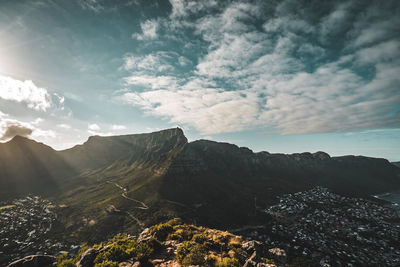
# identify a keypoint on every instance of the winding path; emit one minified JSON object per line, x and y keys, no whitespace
{"x":123,"y":194}
{"x":142,"y":206}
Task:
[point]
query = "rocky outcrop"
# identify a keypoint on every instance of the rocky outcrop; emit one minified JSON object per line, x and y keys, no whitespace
{"x":35,"y":261}
{"x":177,"y":244}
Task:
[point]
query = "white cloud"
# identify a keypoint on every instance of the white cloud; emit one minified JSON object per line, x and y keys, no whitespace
{"x":39,"y":133}
{"x":94,"y":127}
{"x":64,"y":126}
{"x":156,"y":62}
{"x":154,"y":82}
{"x":149,"y":30}
{"x":24,"y":91}
{"x":37,"y":121}
{"x":281,"y":77}
{"x":118,"y":127}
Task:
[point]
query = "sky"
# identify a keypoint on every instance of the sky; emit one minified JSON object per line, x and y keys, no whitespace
{"x":279,"y":76}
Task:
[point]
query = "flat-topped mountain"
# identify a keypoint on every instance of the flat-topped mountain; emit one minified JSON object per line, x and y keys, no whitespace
{"x":125,"y":182}
{"x":102,"y":151}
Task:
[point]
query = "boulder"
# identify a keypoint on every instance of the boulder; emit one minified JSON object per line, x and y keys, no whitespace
{"x":252,"y":246}
{"x":34,"y":261}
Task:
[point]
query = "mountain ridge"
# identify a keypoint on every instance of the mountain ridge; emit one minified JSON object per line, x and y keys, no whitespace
{"x":212,"y":183}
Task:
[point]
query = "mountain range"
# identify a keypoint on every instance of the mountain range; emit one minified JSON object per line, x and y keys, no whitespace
{"x":122,"y":183}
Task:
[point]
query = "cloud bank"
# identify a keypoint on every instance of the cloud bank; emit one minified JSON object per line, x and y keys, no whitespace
{"x":290,"y":67}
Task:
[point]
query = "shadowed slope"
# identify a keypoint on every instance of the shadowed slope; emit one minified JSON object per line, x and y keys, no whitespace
{"x":30,"y":167}
{"x":228,"y":184}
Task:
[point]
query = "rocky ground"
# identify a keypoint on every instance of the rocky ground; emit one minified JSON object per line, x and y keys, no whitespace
{"x":25,"y":228}
{"x":170,"y":244}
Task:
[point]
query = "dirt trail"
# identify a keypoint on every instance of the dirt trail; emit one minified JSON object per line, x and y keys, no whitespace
{"x":142,"y":206}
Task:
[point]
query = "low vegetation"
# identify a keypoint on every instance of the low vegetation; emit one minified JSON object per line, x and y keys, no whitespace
{"x":119,"y":248}
{"x":194,"y":245}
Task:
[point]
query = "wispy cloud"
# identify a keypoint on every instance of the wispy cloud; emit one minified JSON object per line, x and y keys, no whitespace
{"x":92,"y":5}
{"x":149,"y":31}
{"x":155,"y":63}
{"x":153,"y":82}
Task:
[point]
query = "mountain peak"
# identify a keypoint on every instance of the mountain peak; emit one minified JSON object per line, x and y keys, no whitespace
{"x":19,"y":138}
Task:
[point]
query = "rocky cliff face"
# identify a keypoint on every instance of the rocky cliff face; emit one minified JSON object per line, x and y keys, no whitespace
{"x":102,"y":151}
{"x":348,"y":173}
{"x":397,"y":164}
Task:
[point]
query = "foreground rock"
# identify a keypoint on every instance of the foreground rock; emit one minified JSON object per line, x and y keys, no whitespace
{"x":34,"y":261}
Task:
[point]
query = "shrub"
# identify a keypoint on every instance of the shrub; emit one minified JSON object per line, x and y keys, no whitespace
{"x":114,"y":253}
{"x":65,"y":263}
{"x":200,"y":238}
{"x":153,"y":244}
{"x":141,"y":251}
{"x":235,"y":241}
{"x":175,"y":221}
{"x":175,"y":237}
{"x":122,"y":247}
{"x":161,"y":231}
{"x":106,"y":263}
{"x":269,"y":261}
{"x":227,"y":262}
{"x":190,"y":253}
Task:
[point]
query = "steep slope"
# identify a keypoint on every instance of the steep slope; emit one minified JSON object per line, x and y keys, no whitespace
{"x":397,"y":164}
{"x":30,"y":167}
